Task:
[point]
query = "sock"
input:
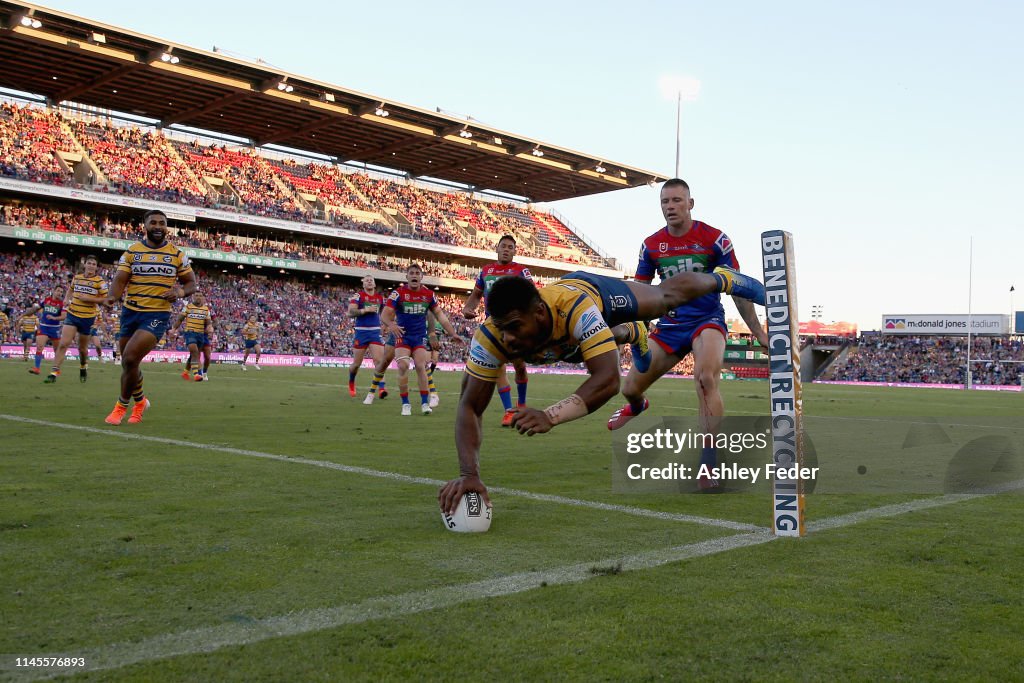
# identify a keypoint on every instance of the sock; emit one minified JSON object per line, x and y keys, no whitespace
{"x":709,"y":456}
{"x":55,"y":370}
{"x":521,"y":390}
{"x":138,"y":394}
{"x":505,"y":394}
{"x":123,"y":402}
{"x":405,"y":398}
{"x":424,"y":396}
{"x":431,"y":385}
{"x":39,"y":360}
{"x":378,"y":382}
{"x":351,"y":378}
{"x":383,"y":383}
{"x":723,"y":284}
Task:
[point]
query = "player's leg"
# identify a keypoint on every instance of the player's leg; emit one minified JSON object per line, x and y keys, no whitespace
{"x":193,"y":359}
{"x":207,"y":356}
{"x":84,"y":341}
{"x":505,"y":394}
{"x":637,"y":383}
{"x":67,"y":337}
{"x":358,"y":353}
{"x":433,"y":357}
{"x":522,"y":379}
{"x":420,"y":358}
{"x":654,"y":301}
{"x":404,"y":358}
{"x":708,"y":352}
{"x":381,"y":363}
{"x":41,"y":340}
{"x":133,"y":349}
{"x":259,"y":350}
{"x":26,"y":341}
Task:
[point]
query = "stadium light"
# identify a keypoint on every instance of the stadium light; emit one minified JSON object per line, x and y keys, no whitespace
{"x":622,"y":173}
{"x":497,"y":140}
{"x":29,"y":21}
{"x":464,"y":133}
{"x":381,"y":111}
{"x":537,"y":152}
{"x":284,"y":86}
{"x":600,"y":169}
{"x":327,"y":97}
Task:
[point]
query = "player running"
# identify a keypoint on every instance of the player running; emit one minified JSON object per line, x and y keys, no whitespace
{"x":27,"y":323}
{"x":405,"y":316}
{"x":152,"y":275}
{"x":51,"y":313}
{"x":251,"y":338}
{"x":88,"y":291}
{"x":504,"y":267}
{"x":198,"y":327}
{"x":580,"y":318}
{"x":698,"y":326}
{"x":364,"y":309}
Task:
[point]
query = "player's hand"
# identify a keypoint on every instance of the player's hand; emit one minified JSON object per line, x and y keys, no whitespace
{"x":468,"y":314}
{"x":458,"y":340}
{"x":762,"y":339}
{"x":173,"y":294}
{"x":531,"y":421}
{"x":451,"y":493}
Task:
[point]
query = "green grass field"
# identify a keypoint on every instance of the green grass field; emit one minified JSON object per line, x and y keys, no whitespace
{"x":216,"y":541}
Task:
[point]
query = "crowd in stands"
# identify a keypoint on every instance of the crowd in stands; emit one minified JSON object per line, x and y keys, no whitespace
{"x":146,"y":163}
{"x":932,"y":360}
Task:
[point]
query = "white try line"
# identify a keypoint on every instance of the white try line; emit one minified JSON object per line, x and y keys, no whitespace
{"x":394,"y":476}
{"x":212,"y":638}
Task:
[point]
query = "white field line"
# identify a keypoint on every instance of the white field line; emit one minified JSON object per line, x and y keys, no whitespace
{"x":212,"y":638}
{"x":394,"y":476}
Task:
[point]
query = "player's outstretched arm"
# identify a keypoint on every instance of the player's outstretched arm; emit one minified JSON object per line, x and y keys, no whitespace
{"x":601,"y":386}
{"x":449,"y":329}
{"x":117,"y":286}
{"x":749,"y":315}
{"x":476,"y":394}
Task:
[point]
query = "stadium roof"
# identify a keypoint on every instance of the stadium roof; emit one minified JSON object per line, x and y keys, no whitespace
{"x":71,"y":59}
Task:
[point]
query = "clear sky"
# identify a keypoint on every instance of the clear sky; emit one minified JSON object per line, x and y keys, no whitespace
{"x":883,"y":135}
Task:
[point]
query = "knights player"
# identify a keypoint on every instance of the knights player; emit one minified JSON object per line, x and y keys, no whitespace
{"x":405,"y":316}
{"x":698,"y":326}
{"x":51,"y":313}
{"x":504,"y":267}
{"x":364,"y":309}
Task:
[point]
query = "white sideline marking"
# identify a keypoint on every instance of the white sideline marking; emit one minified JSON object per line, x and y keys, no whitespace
{"x":213,"y":638}
{"x":394,"y":476}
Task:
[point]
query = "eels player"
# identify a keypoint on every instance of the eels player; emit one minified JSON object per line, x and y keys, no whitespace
{"x":251,"y":339}
{"x":152,"y":275}
{"x":580,"y":318}
{"x":364,"y":309}
{"x":27,"y":323}
{"x":88,"y":290}
{"x":198,"y":326}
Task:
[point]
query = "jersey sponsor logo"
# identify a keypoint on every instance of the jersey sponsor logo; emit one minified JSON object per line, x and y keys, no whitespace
{"x":482,"y":357}
{"x":590,"y":324}
{"x":682,"y":264}
{"x":149,"y":269}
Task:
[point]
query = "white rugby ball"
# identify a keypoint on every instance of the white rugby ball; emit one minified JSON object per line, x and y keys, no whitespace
{"x":470,"y":516}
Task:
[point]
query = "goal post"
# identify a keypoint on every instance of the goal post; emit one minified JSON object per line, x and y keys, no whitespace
{"x":785,"y":389}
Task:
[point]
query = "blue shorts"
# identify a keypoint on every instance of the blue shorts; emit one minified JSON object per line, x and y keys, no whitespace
{"x":365,"y":338}
{"x":620,"y":304}
{"x":407,"y":342}
{"x":252,"y":343}
{"x":198,"y":338}
{"x":83,"y":325}
{"x":153,"y":322}
{"x":391,"y":341}
{"x":28,"y":336}
{"x":677,"y":338}
{"x":53,"y":332}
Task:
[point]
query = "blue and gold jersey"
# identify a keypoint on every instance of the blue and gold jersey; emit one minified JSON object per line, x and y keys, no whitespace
{"x":89,"y":286}
{"x":579,"y":332}
{"x":29,"y":322}
{"x":152,"y":272}
{"x":196,"y":317}
{"x":251,"y":331}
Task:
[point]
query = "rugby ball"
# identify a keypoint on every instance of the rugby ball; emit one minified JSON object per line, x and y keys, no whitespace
{"x":470,"y":516}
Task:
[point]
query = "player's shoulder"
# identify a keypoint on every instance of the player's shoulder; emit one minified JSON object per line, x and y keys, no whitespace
{"x":658,"y":236}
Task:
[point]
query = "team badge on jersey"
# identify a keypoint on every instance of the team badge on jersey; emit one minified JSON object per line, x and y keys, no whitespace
{"x":724,"y":243}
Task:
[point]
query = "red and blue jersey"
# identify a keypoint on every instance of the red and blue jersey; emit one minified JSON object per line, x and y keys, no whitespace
{"x":369,"y":306}
{"x":495,"y":271}
{"x":50,"y":309}
{"x":411,"y":306}
{"x":701,"y":250}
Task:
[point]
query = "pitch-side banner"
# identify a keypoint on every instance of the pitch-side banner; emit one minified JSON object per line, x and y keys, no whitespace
{"x":979,"y":323}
